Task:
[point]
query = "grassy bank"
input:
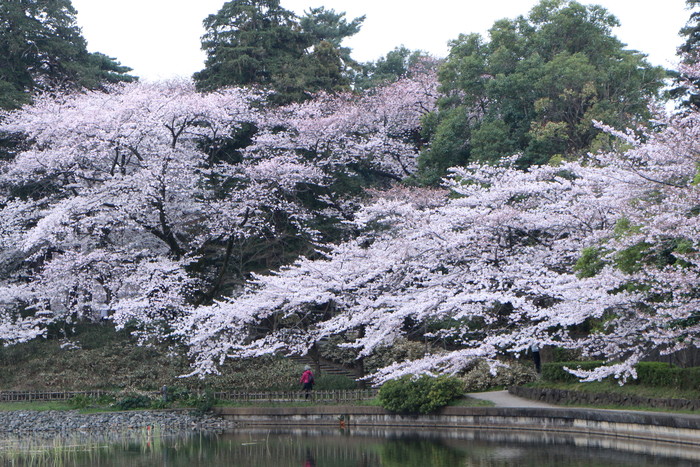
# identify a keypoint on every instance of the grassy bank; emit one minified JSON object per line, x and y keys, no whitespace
{"x":96,"y":357}
{"x":614,"y":388}
{"x":627,"y":397}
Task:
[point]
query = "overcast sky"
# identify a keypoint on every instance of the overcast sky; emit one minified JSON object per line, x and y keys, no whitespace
{"x":161,"y":38}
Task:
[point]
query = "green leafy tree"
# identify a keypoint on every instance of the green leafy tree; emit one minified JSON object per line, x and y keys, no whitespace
{"x":689,"y":50}
{"x":535,"y":87}
{"x":248,"y":42}
{"x":258,"y":42}
{"x":321,"y":25}
{"x":395,"y":65}
{"x":691,"y":30}
{"x":42,"y":48}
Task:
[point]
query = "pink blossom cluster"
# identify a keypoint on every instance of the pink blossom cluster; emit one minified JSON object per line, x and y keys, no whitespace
{"x":125,"y":196}
{"x":598,"y":255}
{"x":123,"y":192}
{"x":378,"y":129}
{"x":495,"y":267}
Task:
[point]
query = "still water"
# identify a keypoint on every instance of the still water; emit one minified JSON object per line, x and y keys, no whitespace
{"x":341,"y":448}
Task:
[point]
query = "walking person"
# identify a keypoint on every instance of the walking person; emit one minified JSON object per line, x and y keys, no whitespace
{"x":307,"y":379}
{"x":535,"y":349}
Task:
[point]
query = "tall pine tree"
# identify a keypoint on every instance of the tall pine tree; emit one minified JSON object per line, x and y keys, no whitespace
{"x":42,"y":48}
{"x":258,"y":42}
{"x":689,"y":50}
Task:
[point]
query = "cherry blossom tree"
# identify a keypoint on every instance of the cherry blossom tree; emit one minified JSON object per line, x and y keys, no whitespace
{"x":126,"y":205}
{"x":475,"y":270}
{"x":118,"y":197}
{"x":599,"y":256}
{"x":378,"y":130}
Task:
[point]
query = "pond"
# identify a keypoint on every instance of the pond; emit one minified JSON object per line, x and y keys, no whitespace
{"x":340,"y":448}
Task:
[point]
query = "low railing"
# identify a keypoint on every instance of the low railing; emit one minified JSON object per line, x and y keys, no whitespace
{"x":330,"y":396}
{"x":335,"y":396}
{"x":29,"y":396}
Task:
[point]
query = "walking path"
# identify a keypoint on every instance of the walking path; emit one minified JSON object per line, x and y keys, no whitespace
{"x":504,"y":399}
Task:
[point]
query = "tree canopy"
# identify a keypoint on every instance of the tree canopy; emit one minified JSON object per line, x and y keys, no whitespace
{"x":689,"y":49}
{"x":534,"y":87}
{"x":42,"y":48}
{"x":396,"y":64}
{"x":600,"y":258}
{"x":258,"y":42}
{"x":139,"y":204}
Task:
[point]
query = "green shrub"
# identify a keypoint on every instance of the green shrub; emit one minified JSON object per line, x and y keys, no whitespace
{"x":201,"y":403}
{"x":178,"y":393}
{"x":160,"y":404}
{"x":83,"y":401}
{"x":133,"y":401}
{"x":659,"y":374}
{"x":423,"y":395}
{"x":652,"y":374}
{"x":656,"y":374}
{"x":560,"y":354}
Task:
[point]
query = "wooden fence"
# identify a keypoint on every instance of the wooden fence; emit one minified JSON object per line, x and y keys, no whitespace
{"x":331,"y":396}
{"x":335,"y":396}
{"x":31,"y":396}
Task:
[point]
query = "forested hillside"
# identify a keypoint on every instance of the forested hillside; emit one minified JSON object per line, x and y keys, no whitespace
{"x":528,"y":189}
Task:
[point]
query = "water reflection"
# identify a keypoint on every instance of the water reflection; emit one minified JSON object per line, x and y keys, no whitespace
{"x":340,"y":448}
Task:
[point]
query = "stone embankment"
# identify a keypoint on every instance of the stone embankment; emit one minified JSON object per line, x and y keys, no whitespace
{"x":676,"y":428}
{"x":62,"y":421}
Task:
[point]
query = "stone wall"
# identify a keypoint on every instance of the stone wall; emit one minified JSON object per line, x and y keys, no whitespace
{"x":25,"y":421}
{"x":639,"y":425}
